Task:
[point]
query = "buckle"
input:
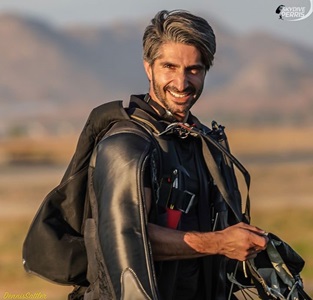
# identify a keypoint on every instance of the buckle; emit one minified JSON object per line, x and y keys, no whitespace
{"x":183,"y":130}
{"x":169,"y":196}
{"x":181,"y":200}
{"x":190,"y":203}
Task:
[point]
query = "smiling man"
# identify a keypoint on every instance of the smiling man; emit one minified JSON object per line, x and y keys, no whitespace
{"x":162,"y":228}
{"x":176,"y":78}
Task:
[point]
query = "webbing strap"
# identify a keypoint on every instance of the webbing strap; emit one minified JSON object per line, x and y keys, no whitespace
{"x":219,"y":180}
{"x":217,"y":176}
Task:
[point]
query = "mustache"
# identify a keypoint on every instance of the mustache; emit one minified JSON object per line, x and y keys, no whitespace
{"x":187,"y":90}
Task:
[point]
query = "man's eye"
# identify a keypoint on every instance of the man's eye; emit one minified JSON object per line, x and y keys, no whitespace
{"x":168,"y":66}
{"x":195,"y":71}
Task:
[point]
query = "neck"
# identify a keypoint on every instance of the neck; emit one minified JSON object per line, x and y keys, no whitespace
{"x":160,"y":110}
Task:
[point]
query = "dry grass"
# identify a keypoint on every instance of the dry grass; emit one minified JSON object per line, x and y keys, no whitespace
{"x":269,"y":141}
{"x":52,"y":149}
{"x":281,"y":196}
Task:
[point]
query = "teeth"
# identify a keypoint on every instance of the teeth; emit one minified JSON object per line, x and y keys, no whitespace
{"x":177,"y":95}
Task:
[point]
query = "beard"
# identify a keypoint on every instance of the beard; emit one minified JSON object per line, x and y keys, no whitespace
{"x":175,"y":107}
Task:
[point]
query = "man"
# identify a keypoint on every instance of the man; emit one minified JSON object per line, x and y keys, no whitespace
{"x":161,"y":228}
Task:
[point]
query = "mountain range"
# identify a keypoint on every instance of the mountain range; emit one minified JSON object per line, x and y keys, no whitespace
{"x":51,"y":77}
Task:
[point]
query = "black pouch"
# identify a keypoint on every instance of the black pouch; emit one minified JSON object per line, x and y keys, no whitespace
{"x":274,"y":273}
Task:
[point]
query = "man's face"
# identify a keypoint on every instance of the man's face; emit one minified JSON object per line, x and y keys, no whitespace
{"x":176,"y":78}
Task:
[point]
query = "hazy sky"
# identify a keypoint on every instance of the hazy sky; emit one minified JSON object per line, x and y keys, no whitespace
{"x":241,"y":15}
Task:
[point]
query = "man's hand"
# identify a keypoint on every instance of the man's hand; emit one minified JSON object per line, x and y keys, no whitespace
{"x":240,"y":241}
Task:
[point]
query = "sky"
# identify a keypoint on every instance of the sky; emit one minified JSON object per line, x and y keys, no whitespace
{"x":243,"y":16}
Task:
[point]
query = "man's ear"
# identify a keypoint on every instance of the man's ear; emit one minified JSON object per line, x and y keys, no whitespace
{"x":148,"y":69}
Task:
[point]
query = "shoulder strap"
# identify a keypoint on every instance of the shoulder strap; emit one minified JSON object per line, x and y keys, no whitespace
{"x":146,"y":119}
{"x":219,"y":180}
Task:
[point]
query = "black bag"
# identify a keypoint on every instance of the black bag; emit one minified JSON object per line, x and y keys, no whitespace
{"x":273,"y":274}
{"x":54,"y":246}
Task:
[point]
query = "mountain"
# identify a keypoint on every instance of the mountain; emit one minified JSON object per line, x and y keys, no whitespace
{"x":266,"y":78}
{"x":51,"y":77}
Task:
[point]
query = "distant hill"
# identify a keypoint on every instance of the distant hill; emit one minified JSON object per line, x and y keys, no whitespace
{"x":51,"y":77}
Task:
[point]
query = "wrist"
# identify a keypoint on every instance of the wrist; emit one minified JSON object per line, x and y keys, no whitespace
{"x":207,"y":243}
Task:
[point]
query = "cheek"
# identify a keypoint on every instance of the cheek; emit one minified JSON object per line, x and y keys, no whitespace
{"x":198,"y":82}
{"x":162,"y":81}
{"x":164,"y":78}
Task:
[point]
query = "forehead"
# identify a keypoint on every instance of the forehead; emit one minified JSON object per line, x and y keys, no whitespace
{"x":179,"y":53}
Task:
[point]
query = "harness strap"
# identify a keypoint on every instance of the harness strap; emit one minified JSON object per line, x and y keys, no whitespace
{"x":183,"y":130}
{"x":219,"y":180}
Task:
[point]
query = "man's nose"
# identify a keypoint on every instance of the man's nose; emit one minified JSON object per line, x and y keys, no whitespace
{"x":181,"y":80}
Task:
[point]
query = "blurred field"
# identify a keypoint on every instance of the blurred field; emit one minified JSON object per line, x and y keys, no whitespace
{"x":279,"y":160}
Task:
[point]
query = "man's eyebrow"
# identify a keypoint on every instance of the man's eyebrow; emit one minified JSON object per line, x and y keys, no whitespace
{"x":191,"y":67}
{"x":196,"y":67}
{"x":169,"y":63}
